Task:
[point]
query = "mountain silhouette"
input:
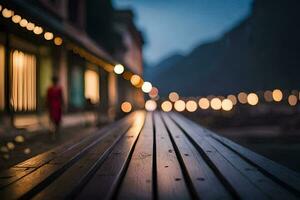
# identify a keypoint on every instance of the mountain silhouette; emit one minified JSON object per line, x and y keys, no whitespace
{"x":262,"y":52}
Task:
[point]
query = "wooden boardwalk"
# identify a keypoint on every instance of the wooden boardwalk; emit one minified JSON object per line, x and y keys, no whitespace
{"x":150,"y":156}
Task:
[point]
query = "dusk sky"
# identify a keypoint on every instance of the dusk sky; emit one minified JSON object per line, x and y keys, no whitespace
{"x":172,"y":26}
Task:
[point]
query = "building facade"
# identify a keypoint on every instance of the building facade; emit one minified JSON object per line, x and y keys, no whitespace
{"x":43,"y":38}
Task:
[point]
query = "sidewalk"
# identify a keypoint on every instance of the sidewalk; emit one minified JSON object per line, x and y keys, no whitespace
{"x":20,"y":145}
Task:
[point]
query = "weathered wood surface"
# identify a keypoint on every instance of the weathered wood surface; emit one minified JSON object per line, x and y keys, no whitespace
{"x":150,"y":156}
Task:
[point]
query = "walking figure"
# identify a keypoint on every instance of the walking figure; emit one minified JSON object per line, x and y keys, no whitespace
{"x":55,"y":103}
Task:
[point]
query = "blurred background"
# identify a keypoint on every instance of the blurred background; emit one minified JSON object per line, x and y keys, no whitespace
{"x":230,"y":65}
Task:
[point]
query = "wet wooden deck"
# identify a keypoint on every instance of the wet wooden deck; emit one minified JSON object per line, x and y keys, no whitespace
{"x":150,"y":156}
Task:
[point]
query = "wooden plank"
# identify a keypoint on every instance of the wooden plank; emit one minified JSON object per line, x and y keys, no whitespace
{"x":63,"y":185}
{"x":105,"y":181}
{"x":39,"y":178}
{"x":277,"y":172}
{"x":264,"y":183}
{"x":26,"y":167}
{"x":170,"y":180}
{"x":137,"y":183}
{"x":233,"y":178}
{"x":206,"y":184}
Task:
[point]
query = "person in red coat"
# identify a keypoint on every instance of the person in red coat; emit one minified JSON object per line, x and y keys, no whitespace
{"x":55,"y":103}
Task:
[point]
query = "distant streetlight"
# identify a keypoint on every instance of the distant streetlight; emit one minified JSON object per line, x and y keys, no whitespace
{"x":119,"y":69}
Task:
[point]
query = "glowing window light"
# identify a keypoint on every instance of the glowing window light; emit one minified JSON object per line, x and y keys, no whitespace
{"x":16,"y":19}
{"x":191,"y":106}
{"x":292,"y":100}
{"x":38,"y":30}
{"x":58,"y":41}
{"x":7,"y":13}
{"x":227,"y":105}
{"x":153,"y":93}
{"x":216,"y":104}
{"x":174,"y":96}
{"x":150,"y":105}
{"x":232,"y":98}
{"x":135,"y":80}
{"x":2,"y":77}
{"x":91,"y":85}
{"x":268,"y":96}
{"x":252,"y":99}
{"x":242,"y":97}
{"x":126,"y":107}
{"x":30,"y":26}
{"x":23,"y":23}
{"x":23,"y":88}
{"x":48,"y":36}
{"x":203,"y":103}
{"x":277,"y":95}
{"x":119,"y":69}
{"x":166,"y":106}
{"x":179,"y":105}
{"x":147,"y":87}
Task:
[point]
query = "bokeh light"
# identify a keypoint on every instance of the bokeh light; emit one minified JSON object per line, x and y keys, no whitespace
{"x":227,"y":105}
{"x":232,"y":98}
{"x":277,"y":95}
{"x":191,"y":106}
{"x":203,"y":103}
{"x":293,"y":100}
{"x":179,"y":105}
{"x":166,"y":106}
{"x":150,"y":105}
{"x":135,"y":80}
{"x":153,"y":93}
{"x":252,"y":99}
{"x":174,"y":96}
{"x":58,"y":41}
{"x":48,"y":36}
{"x":242,"y":97}
{"x":147,"y":87}
{"x":119,"y":69}
{"x":126,"y":107}
{"x":16,"y":19}
{"x":216,"y":104}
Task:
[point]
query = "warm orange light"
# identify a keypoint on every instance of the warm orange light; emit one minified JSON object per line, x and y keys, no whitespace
{"x":0,"y":7}
{"x":166,"y":106}
{"x":268,"y":96}
{"x":242,"y":97}
{"x":293,"y":100}
{"x":179,"y":105}
{"x":7,"y":13}
{"x":48,"y":36}
{"x":135,"y":80}
{"x":23,"y":23}
{"x":58,"y":41}
{"x":173,"y":96}
{"x":277,"y":95}
{"x":38,"y":30}
{"x":191,"y":106}
{"x":16,"y":19}
{"x":30,"y":26}
{"x":216,"y":104}
{"x":119,"y":69}
{"x":91,"y":86}
{"x":227,"y":105}
{"x":147,"y":87}
{"x":153,"y":93}
{"x":232,"y":98}
{"x":150,"y":105}
{"x":126,"y":107}
{"x":203,"y":103}
{"x":252,"y":99}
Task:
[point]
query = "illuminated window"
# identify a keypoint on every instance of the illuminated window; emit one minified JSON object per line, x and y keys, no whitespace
{"x":91,"y":83}
{"x":23,"y":81}
{"x":2,"y":78}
